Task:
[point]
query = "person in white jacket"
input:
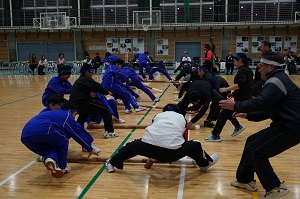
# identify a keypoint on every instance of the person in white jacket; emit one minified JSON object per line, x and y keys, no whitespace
{"x":165,"y":140}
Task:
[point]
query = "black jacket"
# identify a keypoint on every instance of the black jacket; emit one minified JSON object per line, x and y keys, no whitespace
{"x":82,"y":87}
{"x":278,"y":100}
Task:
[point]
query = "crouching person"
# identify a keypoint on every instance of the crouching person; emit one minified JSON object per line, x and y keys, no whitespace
{"x":165,"y":140}
{"x":48,"y":134}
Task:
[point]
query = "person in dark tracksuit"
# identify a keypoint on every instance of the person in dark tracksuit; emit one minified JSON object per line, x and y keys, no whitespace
{"x":165,"y":140}
{"x":242,"y":91}
{"x":160,"y":68}
{"x":200,"y":93}
{"x":80,"y":96}
{"x":48,"y":134}
{"x":58,"y":84}
{"x":279,"y":100}
{"x":136,"y":81}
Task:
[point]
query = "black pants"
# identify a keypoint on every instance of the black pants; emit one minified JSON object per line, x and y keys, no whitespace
{"x":41,"y":70}
{"x":223,"y":116}
{"x":214,"y":107}
{"x":191,"y":148}
{"x":229,"y":67}
{"x":259,"y":148}
{"x":86,"y":108}
{"x":32,"y":67}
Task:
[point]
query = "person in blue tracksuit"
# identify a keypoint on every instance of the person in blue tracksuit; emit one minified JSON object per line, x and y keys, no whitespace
{"x":160,"y":68}
{"x":110,"y":104}
{"x":48,"y":134}
{"x":143,"y":63}
{"x":58,"y":84}
{"x":112,"y":81}
{"x":135,"y":80}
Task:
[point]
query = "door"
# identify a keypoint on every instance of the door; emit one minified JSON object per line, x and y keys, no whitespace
{"x":192,"y":48}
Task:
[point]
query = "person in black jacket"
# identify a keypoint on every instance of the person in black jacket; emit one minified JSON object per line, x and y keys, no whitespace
{"x":96,"y":62}
{"x":200,"y":93}
{"x":242,"y":91}
{"x":279,"y":100}
{"x":80,"y":96}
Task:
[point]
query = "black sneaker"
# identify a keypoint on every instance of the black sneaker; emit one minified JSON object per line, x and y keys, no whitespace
{"x":208,"y":123}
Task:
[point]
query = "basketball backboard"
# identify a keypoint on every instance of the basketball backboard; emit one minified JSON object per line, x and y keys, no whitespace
{"x":147,"y":20}
{"x":54,"y":20}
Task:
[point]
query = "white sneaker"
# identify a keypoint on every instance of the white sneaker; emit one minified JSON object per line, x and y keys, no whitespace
{"x":67,"y":169}
{"x":177,"y":99}
{"x":156,"y":100}
{"x":109,"y":167}
{"x":277,"y":192}
{"x":140,"y":108}
{"x":121,"y":121}
{"x":95,"y":149}
{"x":138,"y":99}
{"x":110,"y":134}
{"x":56,"y":172}
{"x":215,"y":158}
{"x":251,"y":186}
{"x":128,"y":111}
{"x":40,"y":158}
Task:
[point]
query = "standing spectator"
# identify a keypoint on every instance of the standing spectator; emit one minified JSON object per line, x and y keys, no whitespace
{"x":48,"y":133}
{"x":42,"y":65}
{"x":96,"y":62}
{"x":61,"y":61}
{"x":80,"y":96}
{"x":242,"y":91}
{"x":58,"y":85}
{"x":33,"y":63}
{"x":208,"y":57}
{"x":279,"y":100}
{"x":229,"y":63}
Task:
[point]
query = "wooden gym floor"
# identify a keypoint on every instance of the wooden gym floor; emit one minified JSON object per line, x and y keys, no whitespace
{"x":22,"y":177}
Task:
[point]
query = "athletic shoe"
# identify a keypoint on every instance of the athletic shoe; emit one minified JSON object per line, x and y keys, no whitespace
{"x":39,"y":158}
{"x":140,"y":108}
{"x":56,"y":172}
{"x":109,"y":167}
{"x":209,"y":123}
{"x":251,"y":186}
{"x":215,"y":158}
{"x":213,"y":138}
{"x":95,"y":149}
{"x":67,"y":169}
{"x":121,"y":121}
{"x":277,"y":192}
{"x":128,"y":111}
{"x":237,"y":130}
{"x":138,"y":99}
{"x":177,"y":99}
{"x":156,"y":100}
{"x":110,"y":134}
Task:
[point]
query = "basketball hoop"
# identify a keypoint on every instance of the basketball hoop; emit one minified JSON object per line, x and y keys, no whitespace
{"x":145,"y":27}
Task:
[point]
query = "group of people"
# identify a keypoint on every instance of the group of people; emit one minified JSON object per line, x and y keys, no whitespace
{"x":165,"y":139}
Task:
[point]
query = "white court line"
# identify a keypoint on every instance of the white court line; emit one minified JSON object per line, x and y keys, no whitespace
{"x":13,"y":175}
{"x":182,"y":174}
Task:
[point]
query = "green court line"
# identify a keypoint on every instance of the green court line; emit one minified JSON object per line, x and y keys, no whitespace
{"x":93,"y":180}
